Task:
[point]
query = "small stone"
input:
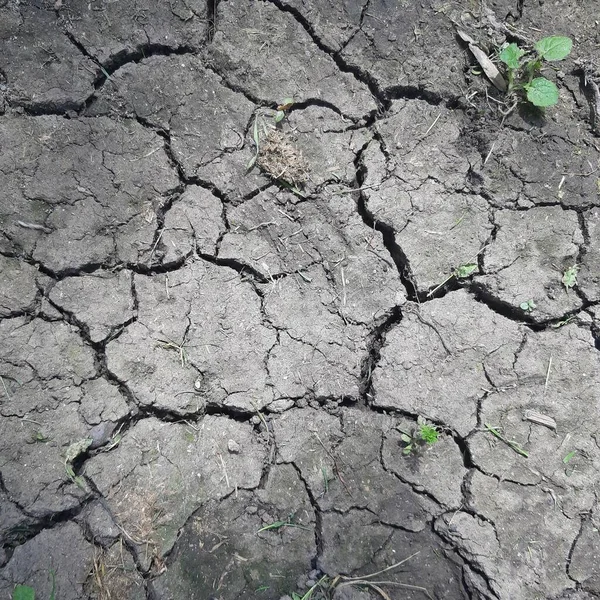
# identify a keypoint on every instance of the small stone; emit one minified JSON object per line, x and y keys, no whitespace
{"x":101,"y":433}
{"x":233,"y":447}
{"x":392,"y":37}
{"x":251,"y":510}
{"x":279,"y":406}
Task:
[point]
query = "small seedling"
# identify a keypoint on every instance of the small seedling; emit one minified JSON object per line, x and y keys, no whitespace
{"x":461,"y":272}
{"x":465,"y":270}
{"x":281,"y":524}
{"x":38,"y":436}
{"x":510,"y":443}
{"x":72,"y":452}
{"x":569,"y":456}
{"x":569,"y":278}
{"x":564,"y":322}
{"x":310,"y":592}
{"x":523,"y":68}
{"x":425,"y":434}
{"x":527,"y":306}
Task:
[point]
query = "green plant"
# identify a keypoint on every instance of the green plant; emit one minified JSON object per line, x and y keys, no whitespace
{"x":523,"y":68}
{"x":461,"y":272}
{"x":280,"y":524}
{"x":23,"y":592}
{"x":310,"y":592}
{"x":73,"y":451}
{"x":510,"y":443}
{"x":528,"y":305}
{"x":26,"y":592}
{"x":569,"y":278}
{"x":425,"y":434}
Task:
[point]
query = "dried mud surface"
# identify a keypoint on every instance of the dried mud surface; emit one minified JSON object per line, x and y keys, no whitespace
{"x":207,"y":376}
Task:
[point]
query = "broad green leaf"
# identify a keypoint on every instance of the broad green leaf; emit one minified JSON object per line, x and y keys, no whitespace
{"x":465,"y":270}
{"x":23,"y":592}
{"x":279,"y":115}
{"x":555,"y":47}
{"x":542,"y":92}
{"x":286,"y":104}
{"x":510,"y":56}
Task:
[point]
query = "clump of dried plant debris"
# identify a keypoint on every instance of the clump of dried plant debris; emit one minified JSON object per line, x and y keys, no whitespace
{"x":281,"y":160}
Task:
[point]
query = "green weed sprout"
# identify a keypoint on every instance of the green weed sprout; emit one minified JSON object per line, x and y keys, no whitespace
{"x":569,"y":278}
{"x":528,"y":306}
{"x":523,"y":68}
{"x":425,"y":434}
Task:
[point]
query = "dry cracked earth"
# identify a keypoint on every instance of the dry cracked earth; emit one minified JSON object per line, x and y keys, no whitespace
{"x":206,"y":375}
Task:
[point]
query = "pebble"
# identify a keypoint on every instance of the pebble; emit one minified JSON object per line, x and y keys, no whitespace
{"x":233,"y":447}
{"x":101,"y":433}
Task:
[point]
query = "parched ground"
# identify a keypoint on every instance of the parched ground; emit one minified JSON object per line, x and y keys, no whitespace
{"x":209,"y":375}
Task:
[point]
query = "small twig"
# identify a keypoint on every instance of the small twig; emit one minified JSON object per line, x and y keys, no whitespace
{"x":5,"y":388}
{"x":266,"y":224}
{"x":335,"y":465}
{"x":547,"y":375}
{"x":489,"y":153}
{"x":305,"y":277}
{"x":156,"y":243}
{"x":431,"y":126}
{"x":359,"y":189}
{"x":394,"y":566}
{"x":224,"y":470}
{"x":34,"y":226}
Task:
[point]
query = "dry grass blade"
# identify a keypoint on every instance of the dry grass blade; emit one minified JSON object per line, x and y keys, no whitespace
{"x":489,"y":68}
{"x":376,"y":584}
{"x":363,"y":580}
{"x":540,"y":419}
{"x":394,"y":566}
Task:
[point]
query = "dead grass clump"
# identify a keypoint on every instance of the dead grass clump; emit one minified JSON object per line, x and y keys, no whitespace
{"x":114,"y":575}
{"x":138,"y":511}
{"x":280,"y":159}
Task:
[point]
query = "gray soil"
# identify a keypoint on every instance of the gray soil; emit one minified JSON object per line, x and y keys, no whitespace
{"x":209,"y":375}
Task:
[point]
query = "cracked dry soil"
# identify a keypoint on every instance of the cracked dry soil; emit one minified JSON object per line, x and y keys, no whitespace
{"x":237,"y":362}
